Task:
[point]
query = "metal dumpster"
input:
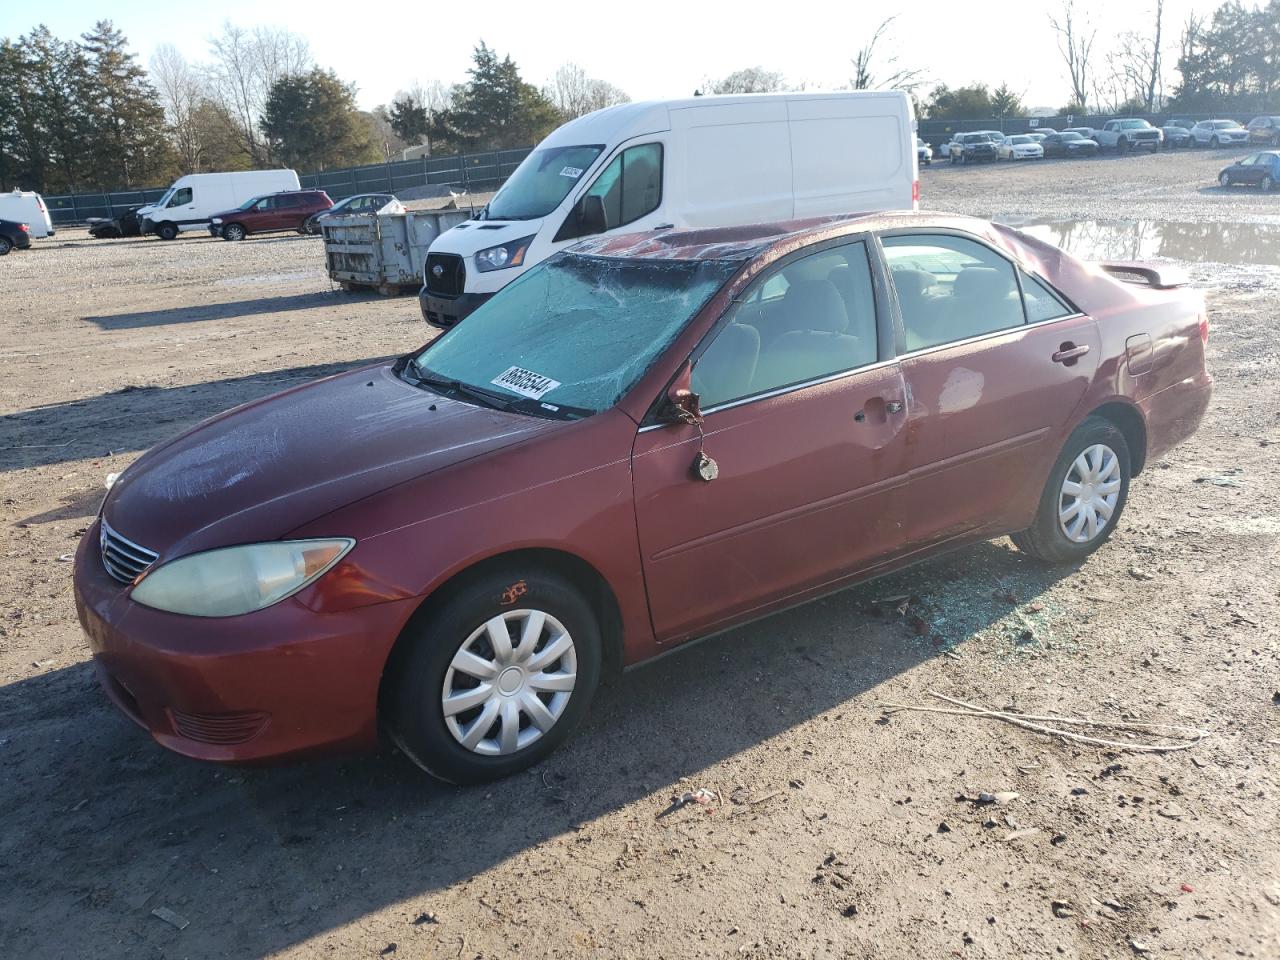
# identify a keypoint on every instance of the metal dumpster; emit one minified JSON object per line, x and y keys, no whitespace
{"x":383,"y":252}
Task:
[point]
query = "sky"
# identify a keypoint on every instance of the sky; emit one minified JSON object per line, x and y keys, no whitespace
{"x":654,"y":50}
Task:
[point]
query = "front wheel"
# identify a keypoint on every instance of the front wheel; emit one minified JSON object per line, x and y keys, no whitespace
{"x":1214,"y":143}
{"x":1083,"y":497}
{"x":233,"y":231}
{"x":1225,"y":179}
{"x":167,"y":231}
{"x":495,"y":678}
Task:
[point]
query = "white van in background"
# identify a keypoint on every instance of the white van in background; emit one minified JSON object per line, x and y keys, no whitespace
{"x":700,"y":162}
{"x":193,"y":199}
{"x":25,"y":206}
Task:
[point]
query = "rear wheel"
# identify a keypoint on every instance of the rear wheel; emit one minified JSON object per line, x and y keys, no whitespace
{"x":495,"y":678}
{"x":5,"y":245}
{"x":1083,"y":497}
{"x":233,"y":231}
{"x":1267,"y":184}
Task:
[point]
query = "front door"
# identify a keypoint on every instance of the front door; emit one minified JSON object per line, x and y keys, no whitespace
{"x":804,"y":420}
{"x":996,"y":364}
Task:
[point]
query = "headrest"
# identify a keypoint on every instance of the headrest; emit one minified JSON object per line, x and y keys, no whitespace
{"x":982,"y":282}
{"x":911,"y":283}
{"x":815,"y":305}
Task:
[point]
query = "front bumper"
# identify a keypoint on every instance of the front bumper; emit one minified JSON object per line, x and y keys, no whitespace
{"x":281,"y":682}
{"x":444,"y":312}
{"x":215,"y":229}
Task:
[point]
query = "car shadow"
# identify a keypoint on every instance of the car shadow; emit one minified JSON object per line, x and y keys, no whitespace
{"x":224,"y":311}
{"x":108,"y":826}
{"x":136,"y":417}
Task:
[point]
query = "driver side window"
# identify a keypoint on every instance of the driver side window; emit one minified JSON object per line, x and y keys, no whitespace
{"x":180,"y":198}
{"x":628,"y":188}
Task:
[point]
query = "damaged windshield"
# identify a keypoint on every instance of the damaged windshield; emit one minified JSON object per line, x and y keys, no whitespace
{"x":539,"y":184}
{"x":575,"y":333}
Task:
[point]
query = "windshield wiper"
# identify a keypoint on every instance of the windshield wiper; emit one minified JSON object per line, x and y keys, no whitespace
{"x":486,"y":397}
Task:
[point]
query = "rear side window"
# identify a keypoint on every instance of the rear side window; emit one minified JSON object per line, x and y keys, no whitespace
{"x":950,"y":289}
{"x":812,"y":319}
{"x":1042,"y":303}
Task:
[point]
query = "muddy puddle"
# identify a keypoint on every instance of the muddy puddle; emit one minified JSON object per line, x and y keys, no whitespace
{"x":1240,"y":244}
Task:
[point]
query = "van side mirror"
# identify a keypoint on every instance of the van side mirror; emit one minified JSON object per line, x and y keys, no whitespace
{"x":683,"y":404}
{"x":591,"y":216}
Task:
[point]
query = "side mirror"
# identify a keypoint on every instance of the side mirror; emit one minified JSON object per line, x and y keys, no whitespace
{"x":682,"y":402}
{"x":591,"y":216}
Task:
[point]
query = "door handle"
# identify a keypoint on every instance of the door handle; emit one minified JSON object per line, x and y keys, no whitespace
{"x":1069,"y":353}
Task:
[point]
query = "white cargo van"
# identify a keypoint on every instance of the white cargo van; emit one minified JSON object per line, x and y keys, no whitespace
{"x":701,"y":162}
{"x":24,"y":206}
{"x":193,"y":199}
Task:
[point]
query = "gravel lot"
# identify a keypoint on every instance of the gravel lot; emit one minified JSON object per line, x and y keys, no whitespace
{"x":829,"y":837}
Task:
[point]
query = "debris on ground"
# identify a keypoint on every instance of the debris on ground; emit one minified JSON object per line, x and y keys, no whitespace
{"x":169,"y":917}
{"x":422,"y":918}
{"x":701,"y":796}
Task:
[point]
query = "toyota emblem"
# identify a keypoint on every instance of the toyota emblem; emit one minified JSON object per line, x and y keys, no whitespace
{"x":437,"y":271}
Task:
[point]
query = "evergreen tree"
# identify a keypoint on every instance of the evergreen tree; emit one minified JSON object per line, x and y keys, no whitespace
{"x":310,"y":121}
{"x":496,"y":110}
{"x":56,"y":125}
{"x":128,"y":145}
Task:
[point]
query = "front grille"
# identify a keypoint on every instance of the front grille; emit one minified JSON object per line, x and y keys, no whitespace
{"x":123,"y":558}
{"x":218,"y":728}
{"x":451,"y":278}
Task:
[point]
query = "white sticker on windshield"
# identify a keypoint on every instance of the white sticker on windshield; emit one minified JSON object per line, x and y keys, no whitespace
{"x":525,"y":382}
{"x":574,"y":172}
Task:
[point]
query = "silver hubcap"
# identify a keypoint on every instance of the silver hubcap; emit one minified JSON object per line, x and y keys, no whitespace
{"x":1089,"y":493}
{"x":509,"y":682}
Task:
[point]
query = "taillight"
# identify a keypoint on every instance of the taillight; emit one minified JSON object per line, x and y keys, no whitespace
{"x":915,"y":195}
{"x":24,"y":228}
{"x":1204,"y":329}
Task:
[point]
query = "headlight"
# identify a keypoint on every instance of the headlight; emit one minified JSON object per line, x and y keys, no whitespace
{"x":500,"y":258}
{"x":235,"y":580}
{"x":216,"y":220}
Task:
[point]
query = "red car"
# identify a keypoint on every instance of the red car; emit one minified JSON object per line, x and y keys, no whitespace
{"x":275,"y":212}
{"x":643,"y":440}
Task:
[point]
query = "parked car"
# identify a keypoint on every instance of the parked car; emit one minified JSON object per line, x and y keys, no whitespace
{"x":1038,"y":134}
{"x":191,"y":201}
{"x":27,"y":206}
{"x":997,"y":137}
{"x":1129,"y":134}
{"x":695,"y":162}
{"x":1176,"y":135}
{"x":125,"y":224}
{"x":1019,"y":147}
{"x":1086,"y":132}
{"x":269,"y":214}
{"x":14,"y":236}
{"x":1264,"y":130}
{"x":1068,"y":143}
{"x":360,"y":203}
{"x":1256,"y":170}
{"x":973,"y":148}
{"x":643,"y":440}
{"x":1218,"y":133}
{"x":924,"y":152}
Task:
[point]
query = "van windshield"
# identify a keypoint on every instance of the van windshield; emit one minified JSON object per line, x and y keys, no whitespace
{"x":573,"y":335}
{"x":539,"y":184}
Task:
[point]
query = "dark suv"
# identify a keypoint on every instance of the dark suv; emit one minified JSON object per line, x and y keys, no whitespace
{"x":268,"y":214}
{"x":1265,"y":130}
{"x":973,"y":148}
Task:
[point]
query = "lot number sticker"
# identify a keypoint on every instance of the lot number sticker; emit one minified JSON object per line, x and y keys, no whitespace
{"x":525,"y":382}
{"x":572,"y":172}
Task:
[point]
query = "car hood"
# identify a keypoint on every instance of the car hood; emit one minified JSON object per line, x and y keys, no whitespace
{"x":472,"y":236}
{"x":262,"y":470}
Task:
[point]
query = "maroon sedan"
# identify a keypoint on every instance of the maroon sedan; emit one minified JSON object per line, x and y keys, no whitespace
{"x":641,"y":441}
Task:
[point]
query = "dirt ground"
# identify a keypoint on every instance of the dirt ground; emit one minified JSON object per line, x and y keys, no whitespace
{"x":829,"y":837}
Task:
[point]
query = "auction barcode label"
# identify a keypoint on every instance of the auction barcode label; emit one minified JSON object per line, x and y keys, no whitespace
{"x":525,"y":382}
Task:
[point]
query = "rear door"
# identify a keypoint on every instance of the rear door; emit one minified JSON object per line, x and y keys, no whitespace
{"x":803,"y":420}
{"x":995,"y":364}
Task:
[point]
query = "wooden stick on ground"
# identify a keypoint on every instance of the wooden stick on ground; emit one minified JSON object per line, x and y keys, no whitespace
{"x":1029,"y":722}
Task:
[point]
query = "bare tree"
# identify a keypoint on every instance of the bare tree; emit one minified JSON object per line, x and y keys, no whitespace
{"x":575,"y":94}
{"x":890,"y":75}
{"x":246,"y":64}
{"x":1076,"y":37}
{"x":182,"y":91}
{"x":749,"y":80}
{"x":1137,"y":66}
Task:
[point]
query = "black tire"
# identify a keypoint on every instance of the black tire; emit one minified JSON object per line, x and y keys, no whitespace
{"x":1045,"y":539}
{"x":1122,"y":145}
{"x":233,"y":232}
{"x":167,"y":231}
{"x":1224,"y":180}
{"x":417,"y":674}
{"x":1214,"y":143}
{"x":5,"y":246}
{"x":1267,"y":184}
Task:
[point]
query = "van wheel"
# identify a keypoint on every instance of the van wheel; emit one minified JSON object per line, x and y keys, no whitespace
{"x":233,"y":231}
{"x":1083,"y":497}
{"x":5,"y":245}
{"x":495,"y":678}
{"x":167,"y":231}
